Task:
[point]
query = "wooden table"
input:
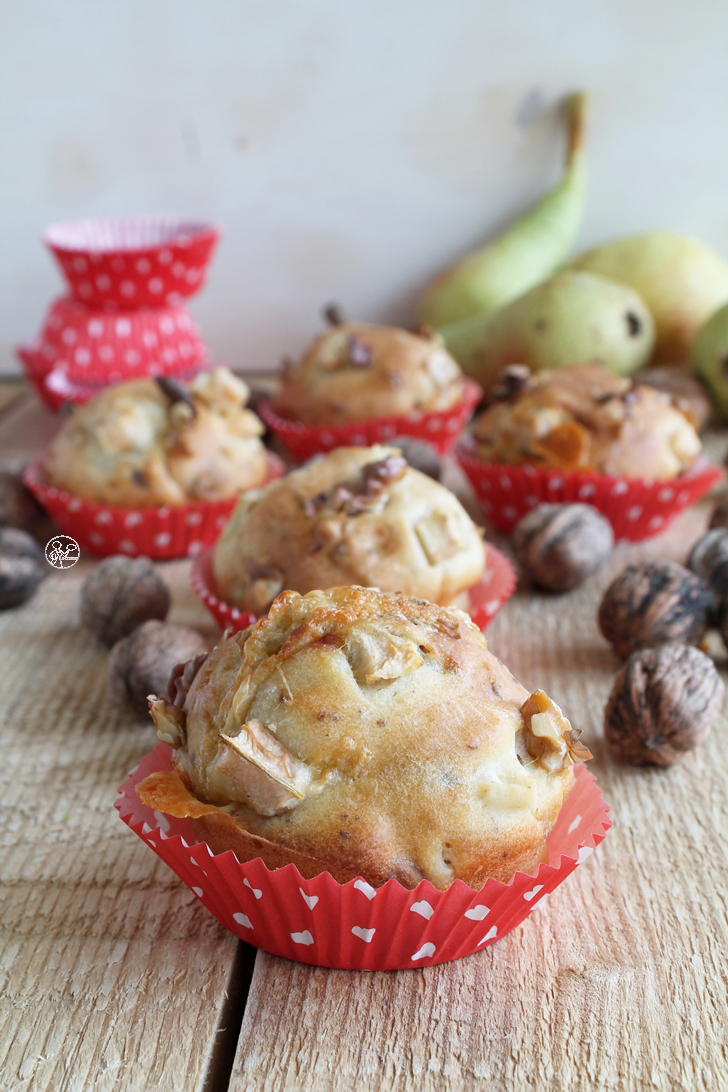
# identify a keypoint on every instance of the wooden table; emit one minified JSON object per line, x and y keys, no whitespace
{"x":113,"y":976}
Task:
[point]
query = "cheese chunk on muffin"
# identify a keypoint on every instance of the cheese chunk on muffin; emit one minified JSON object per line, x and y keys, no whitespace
{"x":155,"y":442}
{"x":355,"y":516}
{"x":585,"y":418}
{"x":364,"y":734}
{"x":357,"y":372}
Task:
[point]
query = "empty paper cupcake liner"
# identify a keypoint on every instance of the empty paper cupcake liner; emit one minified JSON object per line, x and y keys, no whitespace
{"x":354,"y":925}
{"x":440,"y":429}
{"x":636,"y":508}
{"x":494,"y":588}
{"x":158,"y":533}
{"x":135,"y":261}
{"x":93,"y":346}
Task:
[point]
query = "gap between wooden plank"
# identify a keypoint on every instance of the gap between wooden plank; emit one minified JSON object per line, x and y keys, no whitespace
{"x":227,"y":1032}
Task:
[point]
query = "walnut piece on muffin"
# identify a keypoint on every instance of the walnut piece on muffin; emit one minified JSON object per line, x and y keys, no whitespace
{"x":586,"y":418}
{"x":154,"y":442}
{"x":355,"y":516}
{"x":365,"y":734}
{"x":357,"y":372}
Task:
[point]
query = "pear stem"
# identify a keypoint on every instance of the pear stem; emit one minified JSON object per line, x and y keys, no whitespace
{"x":575,"y":109}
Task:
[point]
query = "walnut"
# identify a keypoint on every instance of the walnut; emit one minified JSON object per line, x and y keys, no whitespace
{"x":663,"y":703}
{"x":119,"y":595}
{"x":685,"y":391}
{"x":168,"y":712}
{"x":22,"y":567}
{"x":655,"y":603}
{"x":419,"y":455}
{"x":550,"y":738}
{"x":18,"y":506}
{"x":142,"y":663}
{"x":720,"y":515}
{"x":709,"y":561}
{"x":559,"y":545}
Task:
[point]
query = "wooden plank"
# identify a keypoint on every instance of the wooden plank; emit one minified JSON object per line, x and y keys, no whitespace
{"x":112,"y":976}
{"x":617,"y":981}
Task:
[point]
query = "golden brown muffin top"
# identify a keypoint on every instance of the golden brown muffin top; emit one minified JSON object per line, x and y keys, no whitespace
{"x":355,"y":516}
{"x":357,"y":372}
{"x":585,"y":418}
{"x":155,"y":442}
{"x":376,"y":735}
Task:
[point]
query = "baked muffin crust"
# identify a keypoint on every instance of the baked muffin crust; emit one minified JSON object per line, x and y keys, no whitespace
{"x":365,"y":734}
{"x":354,"y":516}
{"x":357,"y":372}
{"x":155,"y":442}
{"x":587,"y":418}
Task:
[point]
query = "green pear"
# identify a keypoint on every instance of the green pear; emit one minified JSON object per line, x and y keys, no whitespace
{"x":529,"y":249}
{"x":572,"y":318}
{"x":681,"y":280}
{"x":710,"y":358}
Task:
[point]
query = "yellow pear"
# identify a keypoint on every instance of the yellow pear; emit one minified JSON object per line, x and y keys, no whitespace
{"x":529,"y":249}
{"x":681,"y":280}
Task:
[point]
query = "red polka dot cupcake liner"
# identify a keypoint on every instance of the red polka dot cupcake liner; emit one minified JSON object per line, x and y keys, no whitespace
{"x":637,"y":508}
{"x":441,"y":430}
{"x":92,"y":346}
{"x":492,"y":591}
{"x":158,"y":533}
{"x":36,"y":369}
{"x":355,"y":926}
{"x":132,"y":262}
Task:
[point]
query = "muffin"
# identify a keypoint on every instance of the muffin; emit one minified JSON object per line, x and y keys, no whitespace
{"x":585,"y":418}
{"x":357,"y":372}
{"x":354,"y":516}
{"x":364,"y":734}
{"x":152,"y":442}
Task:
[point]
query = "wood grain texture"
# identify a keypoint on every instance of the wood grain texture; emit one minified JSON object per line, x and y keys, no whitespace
{"x":616,"y":981}
{"x":112,"y":975}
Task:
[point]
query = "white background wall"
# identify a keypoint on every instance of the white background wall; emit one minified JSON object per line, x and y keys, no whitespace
{"x":348,"y":148}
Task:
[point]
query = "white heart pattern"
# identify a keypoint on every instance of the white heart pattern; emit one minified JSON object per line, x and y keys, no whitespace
{"x":574,"y":824}
{"x":584,"y":852}
{"x":310,"y":900}
{"x":302,"y":938}
{"x":256,"y":890}
{"x":532,"y":894}
{"x":363,"y":934}
{"x":365,"y":888}
{"x":489,"y":935}
{"x":425,"y":951}
{"x":243,"y":919}
{"x":198,"y":891}
{"x":423,"y":909}
{"x":477,"y":913}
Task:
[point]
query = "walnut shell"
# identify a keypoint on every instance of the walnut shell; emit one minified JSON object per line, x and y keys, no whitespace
{"x":22,"y":567}
{"x":18,"y":506}
{"x":709,"y":561}
{"x":663,"y":703}
{"x":143,"y":663}
{"x":120,"y":594}
{"x":420,"y":456}
{"x":559,"y":545}
{"x":655,"y":603}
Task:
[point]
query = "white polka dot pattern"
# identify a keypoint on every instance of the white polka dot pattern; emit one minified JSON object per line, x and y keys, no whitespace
{"x":355,"y":925}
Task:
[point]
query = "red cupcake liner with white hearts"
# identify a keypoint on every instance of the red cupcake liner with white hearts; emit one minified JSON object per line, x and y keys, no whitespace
{"x":93,"y":346}
{"x":637,"y":508}
{"x":158,"y":533}
{"x":134,"y":261}
{"x":36,"y":369}
{"x":355,"y":926}
{"x":494,"y":588}
{"x":440,"y":429}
